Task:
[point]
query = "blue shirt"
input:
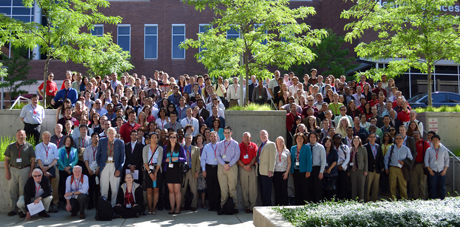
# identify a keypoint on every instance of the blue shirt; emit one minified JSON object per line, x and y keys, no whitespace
{"x":72,"y":94}
{"x":76,"y":185}
{"x":181,"y":114}
{"x":208,"y":156}
{"x":174,"y":99}
{"x":399,"y":155}
{"x":228,"y":151}
{"x":436,"y":159}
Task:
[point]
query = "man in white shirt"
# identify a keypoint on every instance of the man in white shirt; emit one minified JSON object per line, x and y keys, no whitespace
{"x":32,"y":116}
{"x":189,"y":120}
{"x":76,"y":192}
{"x":220,"y":106}
{"x":89,"y":157}
{"x":273,"y":83}
{"x":437,"y":162}
{"x":46,"y":154}
{"x":413,"y":117}
{"x":233,"y":93}
{"x":293,"y":88}
{"x":98,"y":107}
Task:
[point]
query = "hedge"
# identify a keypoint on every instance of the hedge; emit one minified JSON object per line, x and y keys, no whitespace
{"x":382,"y":213}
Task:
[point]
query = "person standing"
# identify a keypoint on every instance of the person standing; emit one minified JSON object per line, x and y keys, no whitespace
{"x":266,"y":167}
{"x":247,"y":171}
{"x":133,"y":157}
{"x":51,"y":89}
{"x":19,"y":163}
{"x":190,"y":120}
{"x":192,"y":153}
{"x":375,"y":166}
{"x":409,"y":142}
{"x":126,"y":128}
{"x":110,"y":156}
{"x":68,"y":158}
{"x":318,"y":165}
{"x":396,"y":158}
{"x":343,"y":152}
{"x":209,"y":167}
{"x":58,"y":137}
{"x":152,"y":156}
{"x":233,"y":93}
{"x":32,"y":116}
{"x":358,"y":169}
{"x":437,"y":162}
{"x":76,"y":192}
{"x":418,"y":172}
{"x":281,"y":175}
{"x":66,"y":93}
{"x":89,"y":157}
{"x":302,"y":160}
{"x":228,"y":153}
{"x":46,"y":154}
{"x":37,"y":189}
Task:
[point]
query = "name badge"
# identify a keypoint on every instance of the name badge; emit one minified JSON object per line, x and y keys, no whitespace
{"x":171,"y":165}
{"x":110,"y":159}
{"x":215,"y":159}
{"x":280,"y":164}
{"x":260,"y":96}
{"x":297,"y":164}
{"x":224,"y":156}
{"x":351,"y":163}
{"x":436,"y":163}
{"x":128,"y":205}
{"x":151,"y":167}
{"x":18,"y":160}
{"x":246,"y":156}
{"x":399,"y":165}
{"x":94,"y":163}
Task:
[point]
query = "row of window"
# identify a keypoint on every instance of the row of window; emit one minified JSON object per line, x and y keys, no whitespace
{"x":151,"y":38}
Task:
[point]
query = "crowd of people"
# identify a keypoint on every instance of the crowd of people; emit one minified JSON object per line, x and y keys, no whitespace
{"x":168,"y":139}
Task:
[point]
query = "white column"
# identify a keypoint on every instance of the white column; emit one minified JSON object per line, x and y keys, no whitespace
{"x":38,"y":20}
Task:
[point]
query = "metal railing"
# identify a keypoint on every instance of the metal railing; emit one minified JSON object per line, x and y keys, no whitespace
{"x":19,"y":99}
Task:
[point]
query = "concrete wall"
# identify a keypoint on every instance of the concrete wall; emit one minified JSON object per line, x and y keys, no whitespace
{"x":448,"y":127}
{"x":10,"y":122}
{"x":4,"y":196}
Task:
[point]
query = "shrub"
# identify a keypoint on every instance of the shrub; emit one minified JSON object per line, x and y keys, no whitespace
{"x":7,"y":140}
{"x":439,"y":109}
{"x":252,"y":106}
{"x":382,"y":213}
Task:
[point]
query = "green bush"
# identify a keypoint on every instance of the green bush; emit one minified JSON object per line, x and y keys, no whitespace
{"x":252,"y":106}
{"x":439,"y":109}
{"x":382,"y":213}
{"x":7,"y":140}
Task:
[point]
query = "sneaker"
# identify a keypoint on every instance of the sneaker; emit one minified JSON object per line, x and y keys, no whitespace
{"x":12,"y":213}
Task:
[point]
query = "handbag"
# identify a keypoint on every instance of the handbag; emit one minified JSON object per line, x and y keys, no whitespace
{"x":52,"y":172}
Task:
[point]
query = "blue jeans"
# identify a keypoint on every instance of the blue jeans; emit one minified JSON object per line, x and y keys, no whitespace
{"x":437,"y":185}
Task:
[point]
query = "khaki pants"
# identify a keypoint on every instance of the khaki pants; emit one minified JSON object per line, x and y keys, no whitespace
{"x":372,"y":186}
{"x":55,"y":185}
{"x":189,"y":179}
{"x":16,"y":184}
{"x":227,"y":181}
{"x":22,"y":205}
{"x":358,"y":182}
{"x":397,"y":179}
{"x":418,"y":181}
{"x":108,"y":179}
{"x":248,"y":181}
{"x":232,"y":103}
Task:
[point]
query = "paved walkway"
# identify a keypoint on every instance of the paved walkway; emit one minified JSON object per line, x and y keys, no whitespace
{"x":196,"y":219}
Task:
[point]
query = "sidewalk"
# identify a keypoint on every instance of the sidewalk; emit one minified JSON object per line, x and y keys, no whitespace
{"x":198,"y":219}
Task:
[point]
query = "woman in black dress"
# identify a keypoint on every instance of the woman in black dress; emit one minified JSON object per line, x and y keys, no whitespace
{"x":173,"y":155}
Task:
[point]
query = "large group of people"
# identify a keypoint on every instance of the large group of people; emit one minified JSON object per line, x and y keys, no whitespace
{"x":168,"y":139}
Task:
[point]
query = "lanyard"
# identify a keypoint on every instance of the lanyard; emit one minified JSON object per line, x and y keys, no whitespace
{"x":19,"y":153}
{"x":110,"y":149}
{"x":279,"y":155}
{"x":236,"y":87}
{"x":36,"y":190}
{"x":437,"y":151}
{"x":58,"y":140}
{"x":405,"y":141}
{"x":374,"y":150}
{"x":94,"y":152}
{"x":180,"y":112}
{"x":215,"y":154}
{"x":77,"y":187}
{"x":35,"y":112}
{"x":82,"y":142}
{"x":349,"y":141}
{"x":162,"y":123}
{"x":298,"y":152}
{"x":189,"y":154}
{"x":46,"y":150}
{"x":189,"y":122}
{"x":225,"y":151}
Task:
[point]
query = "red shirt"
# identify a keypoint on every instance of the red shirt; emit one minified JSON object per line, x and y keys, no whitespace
{"x":404,"y":116}
{"x":51,"y":88}
{"x":361,"y":84}
{"x":125,"y":131}
{"x":374,"y":103}
{"x":377,"y":90}
{"x":250,"y":151}
{"x":290,"y":120}
{"x":421,"y":147}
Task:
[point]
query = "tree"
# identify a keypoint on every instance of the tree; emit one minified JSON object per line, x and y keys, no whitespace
{"x":17,"y":67}
{"x":413,"y":33}
{"x":105,"y":61}
{"x":270,"y":34}
{"x":63,"y":34}
{"x":331,"y":56}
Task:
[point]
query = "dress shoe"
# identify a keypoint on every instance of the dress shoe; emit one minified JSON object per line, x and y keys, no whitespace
{"x":73,"y":214}
{"x":193,"y":208}
{"x":12,"y":213}
{"x":235,"y":211}
{"x":248,"y":211}
{"x":22,"y":215}
{"x":82,"y":215}
{"x":211,"y":209}
{"x":221,"y":211}
{"x":44,"y":214}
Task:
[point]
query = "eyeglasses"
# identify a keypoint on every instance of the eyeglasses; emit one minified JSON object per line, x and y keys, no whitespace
{"x":172,"y":137}
{"x":392,"y":130}
{"x":98,"y":103}
{"x":37,"y":175}
{"x":310,"y":100}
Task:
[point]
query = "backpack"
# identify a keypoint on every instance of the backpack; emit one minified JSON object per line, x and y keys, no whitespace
{"x":104,"y":211}
{"x":229,"y":206}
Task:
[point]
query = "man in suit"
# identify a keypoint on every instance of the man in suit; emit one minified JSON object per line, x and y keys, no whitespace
{"x":193,"y":161}
{"x":110,"y":157}
{"x":375,"y":165}
{"x":204,"y":113}
{"x":409,"y":142}
{"x":133,"y":157}
{"x":266,"y":167}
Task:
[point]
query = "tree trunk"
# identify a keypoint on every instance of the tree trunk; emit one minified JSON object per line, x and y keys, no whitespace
{"x":45,"y":76}
{"x":430,"y":81}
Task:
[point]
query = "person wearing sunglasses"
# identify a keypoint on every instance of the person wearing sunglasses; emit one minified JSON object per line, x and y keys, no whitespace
{"x":37,"y":189}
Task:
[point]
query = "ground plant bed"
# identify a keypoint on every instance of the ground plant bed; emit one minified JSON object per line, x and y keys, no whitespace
{"x":382,"y":213}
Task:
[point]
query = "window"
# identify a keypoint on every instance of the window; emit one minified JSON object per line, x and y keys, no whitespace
{"x":439,"y":98}
{"x":233,"y":33}
{"x":15,"y":9}
{"x":151,"y":41}
{"x":454,"y":98}
{"x":124,"y":37}
{"x":203,"y":28}
{"x":98,"y":30}
{"x":178,"y":36}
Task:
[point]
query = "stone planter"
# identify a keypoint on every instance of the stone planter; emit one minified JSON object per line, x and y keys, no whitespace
{"x":448,"y":127}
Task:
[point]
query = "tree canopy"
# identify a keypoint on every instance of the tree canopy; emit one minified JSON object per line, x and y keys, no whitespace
{"x":412,"y":34}
{"x":261,"y":33}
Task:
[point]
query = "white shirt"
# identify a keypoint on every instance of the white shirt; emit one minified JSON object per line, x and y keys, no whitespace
{"x":233,"y":93}
{"x":46,"y":153}
{"x":191,"y":121}
{"x":344,"y":156}
{"x":419,"y":123}
{"x":293,"y":89}
{"x":76,"y":133}
{"x":162,"y":123}
{"x":272,"y":84}
{"x":32,"y":114}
